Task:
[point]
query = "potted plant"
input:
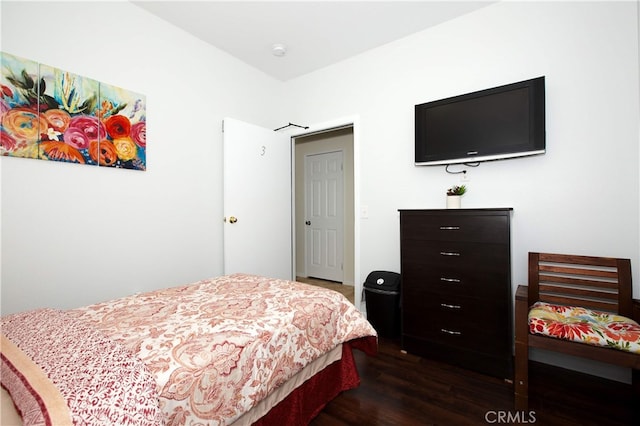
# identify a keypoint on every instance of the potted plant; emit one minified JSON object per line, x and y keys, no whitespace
{"x":453,"y":196}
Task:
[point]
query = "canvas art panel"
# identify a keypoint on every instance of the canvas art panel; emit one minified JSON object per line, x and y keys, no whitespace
{"x":19,"y":118}
{"x":123,"y":113}
{"x":52,"y":114}
{"x":68,"y":103}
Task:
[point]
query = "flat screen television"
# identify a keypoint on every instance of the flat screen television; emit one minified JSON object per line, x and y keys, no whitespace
{"x":502,"y":122}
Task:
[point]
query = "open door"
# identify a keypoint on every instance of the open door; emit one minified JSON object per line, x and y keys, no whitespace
{"x":257,"y":200}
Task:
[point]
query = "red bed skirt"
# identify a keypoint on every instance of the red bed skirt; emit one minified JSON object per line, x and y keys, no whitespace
{"x":304,"y":403}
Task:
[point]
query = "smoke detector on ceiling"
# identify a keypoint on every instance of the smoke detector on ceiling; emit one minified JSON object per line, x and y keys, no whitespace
{"x":278,"y":49}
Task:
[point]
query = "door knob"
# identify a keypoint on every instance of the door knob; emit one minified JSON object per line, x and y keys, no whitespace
{"x":233,"y":219}
{"x":308,"y":223}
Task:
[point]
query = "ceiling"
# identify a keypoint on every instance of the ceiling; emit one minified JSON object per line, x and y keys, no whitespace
{"x":315,"y":33}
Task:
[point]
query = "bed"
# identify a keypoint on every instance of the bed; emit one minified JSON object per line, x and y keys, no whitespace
{"x":237,"y":349}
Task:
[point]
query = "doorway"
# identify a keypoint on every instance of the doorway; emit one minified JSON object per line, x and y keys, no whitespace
{"x":325,"y":142}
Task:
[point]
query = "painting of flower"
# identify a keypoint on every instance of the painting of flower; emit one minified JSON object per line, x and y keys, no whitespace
{"x":52,"y":114}
{"x":123,"y":114}
{"x":69,"y":116}
{"x":20,"y":121}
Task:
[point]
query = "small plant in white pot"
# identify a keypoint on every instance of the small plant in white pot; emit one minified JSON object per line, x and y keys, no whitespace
{"x":453,"y":196}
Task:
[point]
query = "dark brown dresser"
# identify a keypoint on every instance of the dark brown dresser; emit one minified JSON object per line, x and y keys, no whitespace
{"x":456,"y":287}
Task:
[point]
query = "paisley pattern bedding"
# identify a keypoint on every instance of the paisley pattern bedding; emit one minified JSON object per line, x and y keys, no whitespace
{"x":585,"y":326}
{"x":205,"y":353}
{"x":219,"y":346}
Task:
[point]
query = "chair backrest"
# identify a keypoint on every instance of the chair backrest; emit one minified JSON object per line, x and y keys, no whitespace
{"x":599,"y":283}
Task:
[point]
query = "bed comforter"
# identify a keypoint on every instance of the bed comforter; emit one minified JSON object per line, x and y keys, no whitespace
{"x":213,"y":349}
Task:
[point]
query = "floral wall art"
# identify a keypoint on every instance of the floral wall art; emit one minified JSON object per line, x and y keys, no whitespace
{"x":51,"y":114}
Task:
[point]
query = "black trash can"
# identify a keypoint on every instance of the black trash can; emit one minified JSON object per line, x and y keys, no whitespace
{"x":382,"y":296}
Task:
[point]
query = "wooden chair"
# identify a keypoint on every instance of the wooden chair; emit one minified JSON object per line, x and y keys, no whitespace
{"x":596,"y":283}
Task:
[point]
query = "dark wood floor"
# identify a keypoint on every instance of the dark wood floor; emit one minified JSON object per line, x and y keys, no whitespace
{"x":399,"y":389}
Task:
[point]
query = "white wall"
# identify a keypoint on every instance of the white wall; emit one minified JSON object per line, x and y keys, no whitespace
{"x":72,"y":234}
{"x":581,"y":197}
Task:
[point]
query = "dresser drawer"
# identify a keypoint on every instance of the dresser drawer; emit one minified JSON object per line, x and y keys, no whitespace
{"x":430,"y":304}
{"x":481,"y":286}
{"x":468,"y":286}
{"x":420,"y":255}
{"x":452,"y":227}
{"x":459,"y":322}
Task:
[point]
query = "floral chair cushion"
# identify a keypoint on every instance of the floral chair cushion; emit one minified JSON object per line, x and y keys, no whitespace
{"x":585,"y":326}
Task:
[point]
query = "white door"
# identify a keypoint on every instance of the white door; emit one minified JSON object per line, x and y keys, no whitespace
{"x":257,"y":200}
{"x":324,"y":216}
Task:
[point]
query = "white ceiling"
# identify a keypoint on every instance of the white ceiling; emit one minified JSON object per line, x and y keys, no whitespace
{"x":316,"y":33}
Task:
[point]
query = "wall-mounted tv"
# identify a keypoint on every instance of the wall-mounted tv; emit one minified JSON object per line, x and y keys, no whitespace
{"x":502,"y":122}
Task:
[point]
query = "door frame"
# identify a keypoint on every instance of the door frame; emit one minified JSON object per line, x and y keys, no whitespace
{"x":353,"y":122}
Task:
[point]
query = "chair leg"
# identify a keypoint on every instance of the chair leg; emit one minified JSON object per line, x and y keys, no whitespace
{"x":521,"y":377}
{"x":521,"y":328}
{"x":635,"y":383}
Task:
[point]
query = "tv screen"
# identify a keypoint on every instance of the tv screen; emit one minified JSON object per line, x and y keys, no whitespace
{"x":502,"y":122}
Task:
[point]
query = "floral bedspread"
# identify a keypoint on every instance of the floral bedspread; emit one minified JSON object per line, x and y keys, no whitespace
{"x":585,"y":326}
{"x":61,"y":371}
{"x":219,"y":346}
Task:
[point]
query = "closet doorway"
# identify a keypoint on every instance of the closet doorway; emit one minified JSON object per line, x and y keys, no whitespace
{"x":324,"y":225}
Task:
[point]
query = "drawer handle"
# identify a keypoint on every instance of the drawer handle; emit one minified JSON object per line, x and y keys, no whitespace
{"x":449,"y":228}
{"x":449,"y":253}
{"x":450,"y":280}
{"x":453,"y":333}
{"x":446,"y":305}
